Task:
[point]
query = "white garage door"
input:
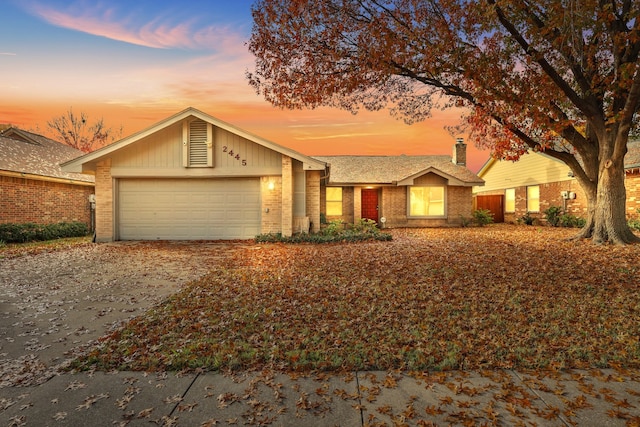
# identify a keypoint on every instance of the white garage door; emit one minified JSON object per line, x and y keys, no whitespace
{"x":188,"y":209}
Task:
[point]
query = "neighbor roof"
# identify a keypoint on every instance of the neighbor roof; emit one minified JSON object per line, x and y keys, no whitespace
{"x":30,"y":155}
{"x":394,"y":170}
{"x":632,"y":159}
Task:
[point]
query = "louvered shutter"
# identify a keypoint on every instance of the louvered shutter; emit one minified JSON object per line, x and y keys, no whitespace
{"x":198,"y":144}
{"x":200,"y":152}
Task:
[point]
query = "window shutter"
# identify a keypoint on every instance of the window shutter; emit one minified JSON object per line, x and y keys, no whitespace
{"x":199,"y":144}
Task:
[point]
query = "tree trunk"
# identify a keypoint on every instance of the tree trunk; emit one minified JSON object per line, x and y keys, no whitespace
{"x":606,"y":217}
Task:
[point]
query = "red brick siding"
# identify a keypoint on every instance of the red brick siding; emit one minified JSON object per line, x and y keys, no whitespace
{"x":632,"y":184}
{"x":43,"y":202}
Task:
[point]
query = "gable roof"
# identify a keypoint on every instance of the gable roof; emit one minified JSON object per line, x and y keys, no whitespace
{"x":395,"y":170}
{"x":88,"y":161}
{"x":29,"y":155}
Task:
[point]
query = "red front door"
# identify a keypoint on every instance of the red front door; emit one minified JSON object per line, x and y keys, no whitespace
{"x":369,"y":201}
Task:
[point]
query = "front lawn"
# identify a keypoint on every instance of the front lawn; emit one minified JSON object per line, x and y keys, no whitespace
{"x":494,"y":297}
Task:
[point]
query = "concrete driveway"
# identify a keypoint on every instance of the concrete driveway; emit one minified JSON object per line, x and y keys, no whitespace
{"x":54,"y":305}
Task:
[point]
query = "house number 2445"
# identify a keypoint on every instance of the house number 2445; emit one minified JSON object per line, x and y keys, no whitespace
{"x":236,"y":156}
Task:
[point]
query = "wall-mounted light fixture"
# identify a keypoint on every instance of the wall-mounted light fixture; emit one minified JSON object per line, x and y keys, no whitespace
{"x":271,"y":185}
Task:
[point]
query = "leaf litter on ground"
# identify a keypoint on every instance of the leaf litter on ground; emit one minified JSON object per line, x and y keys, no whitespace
{"x":431,"y":299}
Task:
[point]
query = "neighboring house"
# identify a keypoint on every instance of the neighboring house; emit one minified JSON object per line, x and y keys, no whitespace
{"x":192,"y":176}
{"x":33,"y":186}
{"x":537,"y":181}
{"x":399,"y":191}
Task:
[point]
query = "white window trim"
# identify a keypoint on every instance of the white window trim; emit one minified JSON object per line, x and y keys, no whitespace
{"x":528,"y":200}
{"x":326,"y":201}
{"x":514,"y":200}
{"x":444,"y":201}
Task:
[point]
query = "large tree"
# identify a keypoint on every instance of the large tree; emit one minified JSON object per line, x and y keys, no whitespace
{"x":75,"y":131}
{"x":559,"y":76}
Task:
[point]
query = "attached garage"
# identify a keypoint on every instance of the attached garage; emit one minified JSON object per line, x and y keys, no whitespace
{"x":188,"y":209}
{"x":194,"y":177}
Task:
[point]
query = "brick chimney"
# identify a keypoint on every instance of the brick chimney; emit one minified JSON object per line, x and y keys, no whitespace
{"x":460,"y":153}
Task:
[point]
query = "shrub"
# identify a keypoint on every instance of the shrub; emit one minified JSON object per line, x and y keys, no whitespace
{"x":527,"y":219}
{"x":634,"y":223}
{"x":552,"y":215}
{"x":333,"y":227}
{"x":483,"y":217}
{"x":366,"y":225}
{"x":365,"y":229}
{"x":568,"y":220}
{"x":30,"y":232}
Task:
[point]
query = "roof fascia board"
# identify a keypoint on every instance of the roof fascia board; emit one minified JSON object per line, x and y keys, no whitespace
{"x":75,"y":165}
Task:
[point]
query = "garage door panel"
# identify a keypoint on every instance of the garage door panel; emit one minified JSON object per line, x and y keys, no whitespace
{"x":188,"y":209}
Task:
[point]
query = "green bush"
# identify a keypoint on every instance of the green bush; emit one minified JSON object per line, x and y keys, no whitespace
{"x":527,"y":219}
{"x":572,"y":221}
{"x":364,"y":230}
{"x":30,"y":232}
{"x":634,"y":223}
{"x":552,"y":215}
{"x":333,"y":227}
{"x":483,"y":217}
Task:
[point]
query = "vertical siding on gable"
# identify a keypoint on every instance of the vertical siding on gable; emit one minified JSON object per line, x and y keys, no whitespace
{"x":161,"y":150}
{"x":246,"y":154}
{"x":430,"y":179}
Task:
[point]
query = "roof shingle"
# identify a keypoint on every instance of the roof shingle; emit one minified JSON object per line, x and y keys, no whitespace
{"x":391,"y":169}
{"x":29,"y":153}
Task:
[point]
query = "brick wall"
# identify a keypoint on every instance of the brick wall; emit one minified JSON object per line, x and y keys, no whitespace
{"x":104,"y":202}
{"x":394,"y":208}
{"x":271,"y":204}
{"x":312,"y":201}
{"x":632,"y":183}
{"x":43,"y":202}
{"x":287,"y":196}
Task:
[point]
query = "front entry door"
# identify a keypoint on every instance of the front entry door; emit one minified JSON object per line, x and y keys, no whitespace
{"x":369,"y":201}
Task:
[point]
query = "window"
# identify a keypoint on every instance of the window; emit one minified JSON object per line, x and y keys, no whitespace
{"x":197,"y":144}
{"x":533,"y":198}
{"x":334,"y":201}
{"x":426,"y":201}
{"x":510,"y":200}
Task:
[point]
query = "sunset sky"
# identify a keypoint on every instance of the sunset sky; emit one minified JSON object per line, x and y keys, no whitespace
{"x":137,"y":62}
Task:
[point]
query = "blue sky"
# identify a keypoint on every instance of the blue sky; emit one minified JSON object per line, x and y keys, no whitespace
{"x":136,"y":62}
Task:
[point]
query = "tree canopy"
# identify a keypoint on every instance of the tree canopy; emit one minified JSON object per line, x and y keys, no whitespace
{"x":75,"y":131}
{"x":561,"y":77}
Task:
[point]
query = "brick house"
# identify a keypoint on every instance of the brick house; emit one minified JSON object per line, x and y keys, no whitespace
{"x":33,"y":186}
{"x":192,"y":176}
{"x":537,"y":181}
{"x":399,"y":191}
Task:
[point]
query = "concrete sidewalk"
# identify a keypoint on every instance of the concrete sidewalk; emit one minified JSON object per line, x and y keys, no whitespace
{"x":583,"y":398}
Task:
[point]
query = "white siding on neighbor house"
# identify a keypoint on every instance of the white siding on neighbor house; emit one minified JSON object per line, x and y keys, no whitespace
{"x":531,"y":169}
{"x":188,"y":209}
{"x":161,"y":154}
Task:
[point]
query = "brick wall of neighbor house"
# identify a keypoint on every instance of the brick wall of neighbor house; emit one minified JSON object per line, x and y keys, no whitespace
{"x":43,"y":202}
{"x":312,"y":201}
{"x":271,"y":207}
{"x":632,"y":184}
{"x":104,"y":202}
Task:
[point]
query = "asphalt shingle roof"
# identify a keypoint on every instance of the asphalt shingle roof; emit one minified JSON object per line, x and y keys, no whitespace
{"x":391,"y":169}
{"x":29,"y":153}
{"x":632,"y":159}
